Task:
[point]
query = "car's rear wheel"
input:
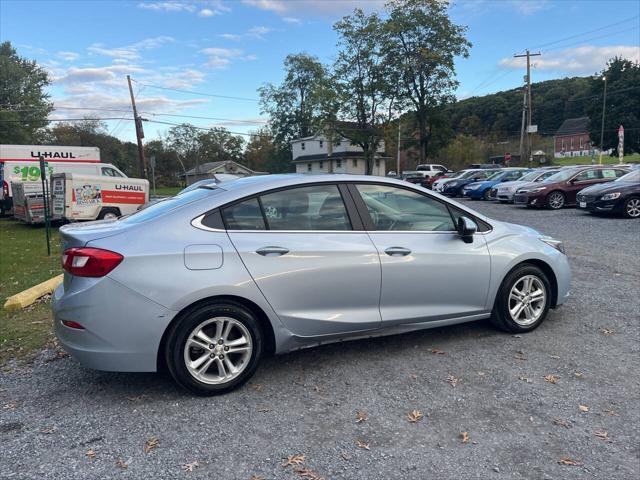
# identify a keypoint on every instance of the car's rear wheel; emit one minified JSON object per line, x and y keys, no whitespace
{"x":556,"y":200}
{"x":632,"y":208}
{"x":523,"y":300}
{"x":109,"y":213}
{"x":214,"y":348}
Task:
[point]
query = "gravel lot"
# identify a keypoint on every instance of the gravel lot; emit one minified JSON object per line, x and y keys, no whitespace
{"x":59,"y":420}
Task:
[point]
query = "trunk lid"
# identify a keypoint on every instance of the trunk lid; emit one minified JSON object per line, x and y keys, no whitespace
{"x":79,"y":234}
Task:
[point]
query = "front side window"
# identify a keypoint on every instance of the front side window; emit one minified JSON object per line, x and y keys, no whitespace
{"x":317,"y":207}
{"x":393,"y":208}
{"x":245,"y":215}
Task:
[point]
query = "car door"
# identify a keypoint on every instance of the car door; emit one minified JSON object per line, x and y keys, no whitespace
{"x":310,"y":258}
{"x":582,"y":180}
{"x":428,"y":272}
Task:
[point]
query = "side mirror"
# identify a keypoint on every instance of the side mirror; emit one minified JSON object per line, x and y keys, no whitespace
{"x":466,"y":229}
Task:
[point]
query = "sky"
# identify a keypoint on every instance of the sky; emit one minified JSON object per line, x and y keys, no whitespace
{"x":207,"y":58}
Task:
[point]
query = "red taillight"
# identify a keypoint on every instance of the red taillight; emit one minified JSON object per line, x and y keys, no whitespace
{"x":5,"y":189}
{"x":72,"y":324}
{"x":90,"y":262}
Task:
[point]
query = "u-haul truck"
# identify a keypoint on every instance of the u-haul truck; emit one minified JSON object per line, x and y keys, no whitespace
{"x":95,"y":197}
{"x":20,"y":163}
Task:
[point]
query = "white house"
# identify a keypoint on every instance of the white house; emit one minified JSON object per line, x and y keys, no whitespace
{"x":315,"y":154}
{"x":209,"y":169}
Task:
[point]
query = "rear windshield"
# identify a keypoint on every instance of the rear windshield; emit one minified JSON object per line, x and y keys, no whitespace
{"x":166,"y":205}
{"x":633,"y":176}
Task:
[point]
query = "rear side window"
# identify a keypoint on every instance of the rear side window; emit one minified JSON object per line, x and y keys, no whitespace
{"x":246,"y":215}
{"x":317,"y":207}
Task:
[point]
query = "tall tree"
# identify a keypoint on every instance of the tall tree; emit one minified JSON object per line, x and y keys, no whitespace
{"x":623,"y":105}
{"x":364,"y":90}
{"x":421,"y":43}
{"x":263,"y":155}
{"x":24,"y":104}
{"x":291,"y":105}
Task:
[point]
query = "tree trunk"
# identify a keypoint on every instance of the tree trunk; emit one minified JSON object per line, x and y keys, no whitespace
{"x":422,"y":133}
{"x":368,"y":160}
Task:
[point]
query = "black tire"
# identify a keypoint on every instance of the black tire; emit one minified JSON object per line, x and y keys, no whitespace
{"x":629,"y":210}
{"x":501,"y":317}
{"x":487,"y":194}
{"x":181,"y":331}
{"x":556,"y":200}
{"x":108,"y":212}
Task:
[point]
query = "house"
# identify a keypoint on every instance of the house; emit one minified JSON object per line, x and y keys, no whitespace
{"x":572,"y":138}
{"x":315,"y":154}
{"x":209,"y":169}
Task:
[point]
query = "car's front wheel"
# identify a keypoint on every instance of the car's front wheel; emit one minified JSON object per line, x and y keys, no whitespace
{"x":523,"y":300}
{"x":214,"y":348}
{"x":632,"y":208}
{"x":556,"y":200}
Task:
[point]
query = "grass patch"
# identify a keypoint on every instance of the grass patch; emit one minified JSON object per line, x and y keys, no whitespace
{"x":23,"y":264}
{"x":166,"y":191}
{"x":606,"y":160}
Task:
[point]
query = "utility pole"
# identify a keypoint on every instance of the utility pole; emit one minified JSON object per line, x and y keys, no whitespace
{"x":604,"y":106}
{"x":528,"y":54}
{"x":398,"y":157}
{"x":142,"y":165}
{"x":524,"y":117}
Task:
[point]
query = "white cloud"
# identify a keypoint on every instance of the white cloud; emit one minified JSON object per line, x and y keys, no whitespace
{"x":583,"y":60}
{"x":206,"y":12}
{"x":169,"y":6}
{"x":130,"y":52}
{"x":220,"y":58}
{"x":257,"y":32}
{"x":529,"y":7}
{"x":69,"y":56}
{"x":314,"y":7}
{"x":204,"y":8}
{"x":292,"y":20}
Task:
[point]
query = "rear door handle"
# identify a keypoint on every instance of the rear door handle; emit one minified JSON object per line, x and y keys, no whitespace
{"x":272,"y":251}
{"x":397,"y":251}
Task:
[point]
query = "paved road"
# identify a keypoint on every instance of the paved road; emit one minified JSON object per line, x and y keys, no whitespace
{"x":55,"y":412}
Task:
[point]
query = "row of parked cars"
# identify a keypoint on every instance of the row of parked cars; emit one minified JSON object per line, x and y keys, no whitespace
{"x":598,"y":189}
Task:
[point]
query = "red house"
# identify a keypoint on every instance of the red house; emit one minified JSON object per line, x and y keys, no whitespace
{"x":572,"y":138}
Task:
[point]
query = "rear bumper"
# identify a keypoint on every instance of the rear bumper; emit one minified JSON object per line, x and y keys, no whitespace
{"x":122,"y":329}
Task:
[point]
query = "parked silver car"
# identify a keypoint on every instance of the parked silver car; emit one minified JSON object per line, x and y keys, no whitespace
{"x":211,"y":280}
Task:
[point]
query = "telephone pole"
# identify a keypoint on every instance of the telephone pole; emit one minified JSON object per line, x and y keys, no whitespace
{"x":142,"y":165}
{"x":528,"y":54}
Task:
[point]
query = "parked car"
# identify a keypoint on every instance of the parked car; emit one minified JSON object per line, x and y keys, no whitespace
{"x":431,"y":169}
{"x":454,"y":188}
{"x":621,"y":196}
{"x":559,"y":190}
{"x":438,"y":183}
{"x":482,"y":189}
{"x":504,"y":192}
{"x":271,"y":264}
{"x":429,"y":181}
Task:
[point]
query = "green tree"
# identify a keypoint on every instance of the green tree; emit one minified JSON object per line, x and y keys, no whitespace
{"x":623,"y":105}
{"x":263,"y":155}
{"x":420,"y":46}
{"x":362,"y":81}
{"x":292,"y":106}
{"x":24,"y":104}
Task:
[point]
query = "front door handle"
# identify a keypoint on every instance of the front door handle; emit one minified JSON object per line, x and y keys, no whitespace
{"x":272,"y":251}
{"x":397,"y":251}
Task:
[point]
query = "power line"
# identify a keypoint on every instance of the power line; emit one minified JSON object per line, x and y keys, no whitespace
{"x":592,"y":38}
{"x":196,"y":93}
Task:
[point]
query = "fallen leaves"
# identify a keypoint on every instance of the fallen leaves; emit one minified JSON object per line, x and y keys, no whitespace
{"x":188,"y":467}
{"x":137,"y":398}
{"x":48,"y":430}
{"x":437,"y":351}
{"x":151,"y":444}
{"x":520,"y":355}
{"x":606,"y":332}
{"x":361,"y":416}
{"x":562,"y":423}
{"x":567,"y":461}
{"x":264,"y":409}
{"x":293,"y":460}
{"x":413,"y":376}
{"x":464,"y":437}
{"x":604,"y":435}
{"x":91,"y":454}
{"x":362,"y":445}
{"x":583,"y":408}
{"x":453,"y":381}
{"x":10,"y":405}
{"x":415,"y":416}
{"x":308,"y":473}
{"x":121,"y":464}
{"x":612,"y":413}
{"x":525,"y":379}
{"x":551,"y":378}
{"x":256,"y":477}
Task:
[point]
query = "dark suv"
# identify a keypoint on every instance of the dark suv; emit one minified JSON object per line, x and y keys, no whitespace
{"x":560,"y":190}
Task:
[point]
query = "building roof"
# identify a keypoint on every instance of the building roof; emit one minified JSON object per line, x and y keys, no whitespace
{"x":208,"y":166}
{"x":334,"y":156}
{"x":573,"y":126}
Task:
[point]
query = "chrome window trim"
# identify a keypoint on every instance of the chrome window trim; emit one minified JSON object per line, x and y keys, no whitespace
{"x":197,"y":223}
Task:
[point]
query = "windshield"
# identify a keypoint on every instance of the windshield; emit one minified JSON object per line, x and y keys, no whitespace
{"x":495,"y":176}
{"x":561,"y":176}
{"x":633,"y":176}
{"x":167,"y":205}
{"x":468,"y":174}
{"x":529,"y":177}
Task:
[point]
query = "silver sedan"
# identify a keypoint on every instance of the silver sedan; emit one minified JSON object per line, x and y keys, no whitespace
{"x":210,"y":281}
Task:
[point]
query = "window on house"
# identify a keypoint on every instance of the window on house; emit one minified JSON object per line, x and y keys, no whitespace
{"x":321,"y":165}
{"x":337,"y":143}
{"x":321,"y":144}
{"x":338,"y":163}
{"x":563,"y":146}
{"x":571,"y":143}
{"x":309,"y":167}
{"x":581,"y":143}
{"x":302,"y":145}
{"x":355,"y":162}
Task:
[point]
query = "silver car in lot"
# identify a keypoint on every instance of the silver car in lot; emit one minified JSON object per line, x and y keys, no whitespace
{"x":504,"y":192}
{"x":209,"y":281}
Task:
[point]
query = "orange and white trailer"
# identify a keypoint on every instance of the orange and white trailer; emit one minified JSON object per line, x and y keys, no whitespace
{"x":77,"y":197}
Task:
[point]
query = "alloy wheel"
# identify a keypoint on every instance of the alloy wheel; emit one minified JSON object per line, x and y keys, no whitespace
{"x":527,"y":300}
{"x":633,"y":208}
{"x":556,"y":200}
{"x":218,"y":350}
{"x":110,"y":216}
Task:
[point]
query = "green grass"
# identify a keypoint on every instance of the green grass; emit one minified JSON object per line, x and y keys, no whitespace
{"x":166,"y":191}
{"x":23,"y":264}
{"x":606,"y":160}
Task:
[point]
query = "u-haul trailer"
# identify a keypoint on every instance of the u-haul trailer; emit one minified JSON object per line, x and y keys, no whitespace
{"x":94,"y":197}
{"x":20,"y":163}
